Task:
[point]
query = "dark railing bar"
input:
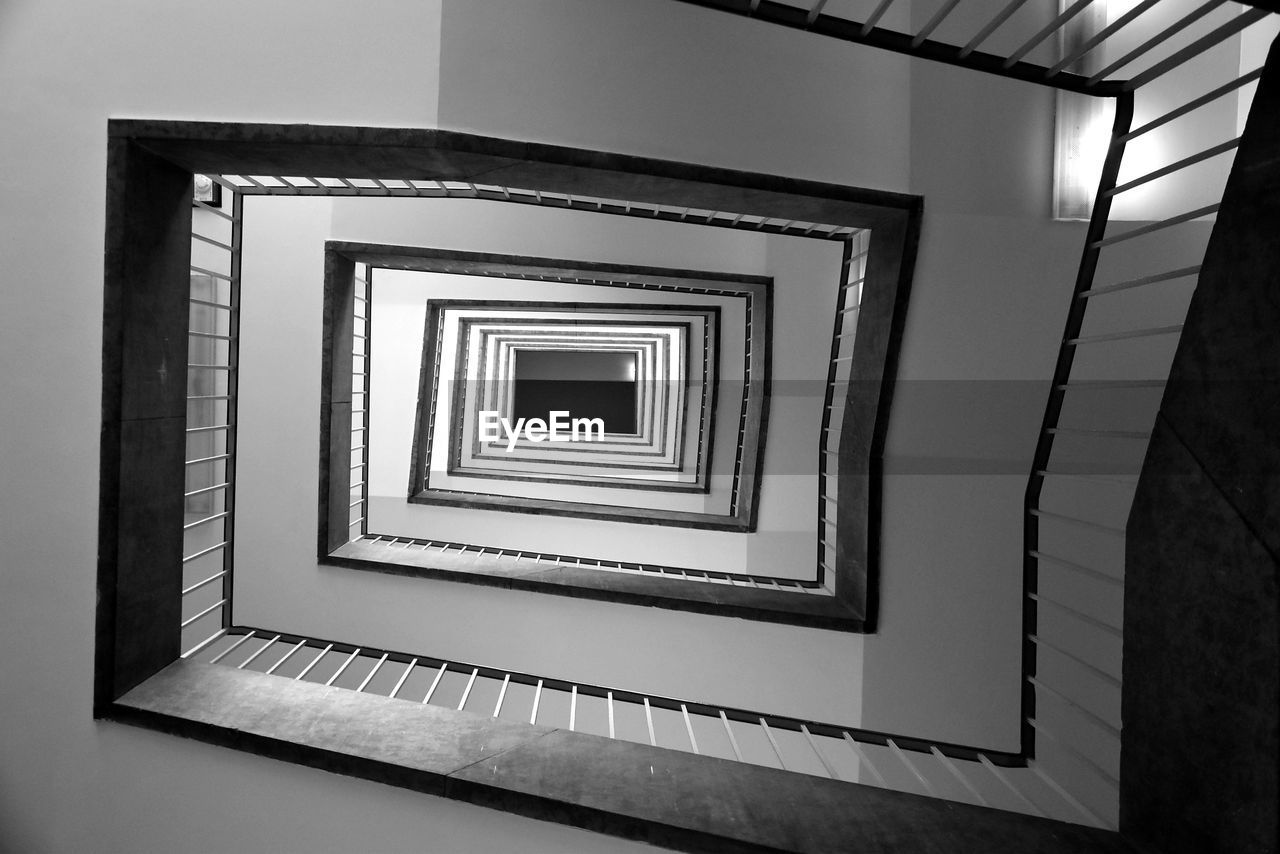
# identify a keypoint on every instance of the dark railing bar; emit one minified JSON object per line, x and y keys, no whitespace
{"x":1102,"y":723}
{"x":932,"y":25}
{"x":1199,"y":46}
{"x":195,"y":334}
{"x":1124,"y":336}
{"x":191,"y":397}
{"x":1071,"y":520}
{"x":1080,"y":757}
{"x":1174,"y":28}
{"x":204,"y":644}
{"x":1079,"y":615}
{"x":874,"y":18}
{"x":200,"y":584}
{"x":211,"y":241}
{"x":1066,"y":564}
{"x":203,"y":490}
{"x":205,"y":520}
{"x":991,"y":27}
{"x":1107,"y":385}
{"x":1208,"y":153}
{"x":1103,"y":35}
{"x":1101,"y":434}
{"x":1180,"y":273}
{"x":1156,"y":226}
{"x":210,"y":303}
{"x":1049,"y":29}
{"x":222,"y":276}
{"x":1188,"y":107}
{"x":1118,"y":480}
{"x":202,"y":460}
{"x":204,"y":552}
{"x":207,"y":611}
{"x":213,"y":367}
{"x":211,"y":209}
{"x":1092,"y":668}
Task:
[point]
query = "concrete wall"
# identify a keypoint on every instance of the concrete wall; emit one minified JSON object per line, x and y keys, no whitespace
{"x":68,"y":783}
{"x":644,"y":77}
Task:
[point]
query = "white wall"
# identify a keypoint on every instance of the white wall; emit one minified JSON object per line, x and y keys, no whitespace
{"x":68,"y":783}
{"x":646,"y":77}
{"x":279,"y":585}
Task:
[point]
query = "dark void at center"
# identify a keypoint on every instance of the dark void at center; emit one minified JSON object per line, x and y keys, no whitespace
{"x":584,"y":383}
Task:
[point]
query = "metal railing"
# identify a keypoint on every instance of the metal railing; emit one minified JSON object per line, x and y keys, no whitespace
{"x":899,"y":762}
{"x":1130,"y":299}
{"x":1125,"y":317}
{"x":212,"y":372}
{"x":843,"y":335}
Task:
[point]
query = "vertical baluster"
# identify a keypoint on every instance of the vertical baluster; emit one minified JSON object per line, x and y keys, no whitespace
{"x":403,"y":678}
{"x":502,"y":695}
{"x":774,"y":743}
{"x":537,"y":698}
{"x":864,"y":759}
{"x":372,"y":673}
{"x":467,"y":691}
{"x":733,"y":741}
{"x":343,"y":668}
{"x":444,"y":665}
{"x":688,"y":725}
{"x":314,"y":662}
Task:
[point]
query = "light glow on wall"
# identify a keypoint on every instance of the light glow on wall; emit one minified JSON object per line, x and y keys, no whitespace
{"x":1082,"y":124}
{"x":1082,"y":133}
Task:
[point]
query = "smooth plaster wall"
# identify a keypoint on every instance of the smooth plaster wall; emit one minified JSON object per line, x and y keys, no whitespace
{"x":68,"y":783}
{"x":279,"y":585}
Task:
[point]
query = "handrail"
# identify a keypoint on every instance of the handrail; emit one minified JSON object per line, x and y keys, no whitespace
{"x":1053,"y":410}
{"x":879,"y":738}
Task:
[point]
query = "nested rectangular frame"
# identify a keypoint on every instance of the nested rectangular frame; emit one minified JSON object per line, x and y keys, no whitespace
{"x":756,"y":291}
{"x":150,"y":164}
{"x":626,"y":337}
{"x":641,"y":446}
{"x":635,"y":451}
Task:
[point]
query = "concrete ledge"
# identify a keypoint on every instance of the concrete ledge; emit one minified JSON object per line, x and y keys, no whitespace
{"x":665,"y":797}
